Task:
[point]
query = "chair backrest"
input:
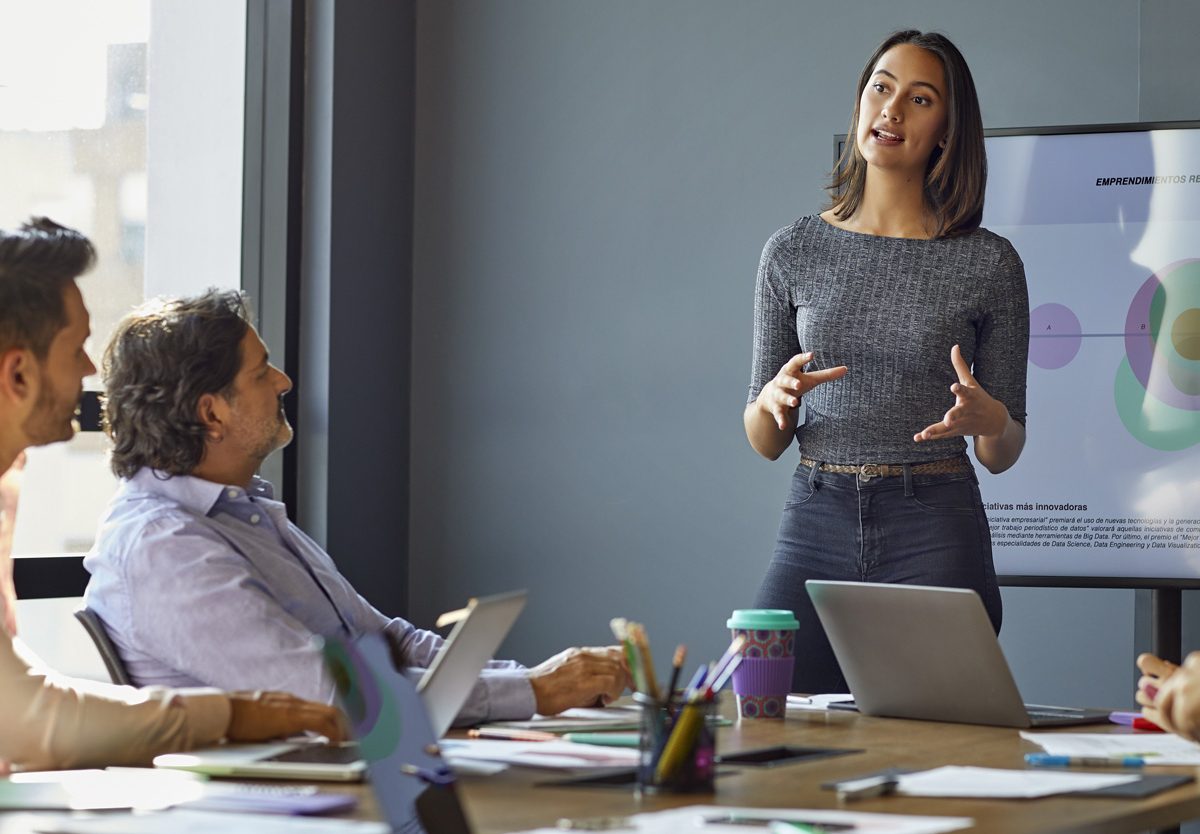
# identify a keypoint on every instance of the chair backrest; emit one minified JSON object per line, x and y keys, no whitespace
{"x":108,"y":652}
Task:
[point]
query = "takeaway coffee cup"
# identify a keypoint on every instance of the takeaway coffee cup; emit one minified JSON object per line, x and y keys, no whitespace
{"x":764,"y":678}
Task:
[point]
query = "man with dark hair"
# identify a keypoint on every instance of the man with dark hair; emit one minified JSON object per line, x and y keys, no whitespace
{"x":48,"y":721}
{"x":198,"y":573}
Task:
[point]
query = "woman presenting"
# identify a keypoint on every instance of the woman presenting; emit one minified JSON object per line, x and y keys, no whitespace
{"x":886,"y":311}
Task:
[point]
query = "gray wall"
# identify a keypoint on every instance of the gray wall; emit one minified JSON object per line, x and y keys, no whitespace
{"x":594,"y":184}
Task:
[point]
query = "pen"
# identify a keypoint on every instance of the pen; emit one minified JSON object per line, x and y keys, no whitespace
{"x":441,"y":776}
{"x":676,"y":666}
{"x":735,"y":646}
{"x":679,"y":742}
{"x":1046,"y":760}
{"x":511,"y":735}
{"x":796,"y":827}
{"x":696,"y":682}
{"x":604,"y":739}
{"x":723,"y":678}
{"x":867,"y":787}
{"x":774,"y":824}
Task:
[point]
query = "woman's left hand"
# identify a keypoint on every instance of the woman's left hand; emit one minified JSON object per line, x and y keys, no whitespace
{"x":974,"y":413}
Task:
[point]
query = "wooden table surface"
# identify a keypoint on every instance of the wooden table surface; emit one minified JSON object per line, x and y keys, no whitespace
{"x":513,"y":801}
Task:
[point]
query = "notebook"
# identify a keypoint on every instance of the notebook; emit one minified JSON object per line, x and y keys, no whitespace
{"x":913,"y":651}
{"x":480,"y":628}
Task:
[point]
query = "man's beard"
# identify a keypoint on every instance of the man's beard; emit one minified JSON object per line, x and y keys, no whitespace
{"x":279,"y":435}
{"x":52,"y":420}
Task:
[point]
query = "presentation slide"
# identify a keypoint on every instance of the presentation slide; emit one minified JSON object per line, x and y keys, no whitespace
{"x":1108,"y":226}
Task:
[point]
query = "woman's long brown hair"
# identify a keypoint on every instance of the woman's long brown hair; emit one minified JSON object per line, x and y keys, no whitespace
{"x":956,"y":176}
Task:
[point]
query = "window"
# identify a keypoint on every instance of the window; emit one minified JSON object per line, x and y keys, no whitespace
{"x":160,"y":198}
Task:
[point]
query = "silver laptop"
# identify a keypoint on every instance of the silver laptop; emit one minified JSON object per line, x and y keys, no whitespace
{"x":480,"y":628}
{"x":448,"y":682}
{"x":913,"y":651}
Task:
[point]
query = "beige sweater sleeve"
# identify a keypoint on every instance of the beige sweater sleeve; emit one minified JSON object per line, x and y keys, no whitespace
{"x":48,"y":721}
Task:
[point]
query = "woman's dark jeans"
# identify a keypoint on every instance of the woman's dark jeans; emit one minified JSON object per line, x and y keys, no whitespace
{"x":914,"y":530}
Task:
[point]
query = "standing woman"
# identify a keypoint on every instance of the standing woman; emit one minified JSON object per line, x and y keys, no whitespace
{"x":887,"y":311}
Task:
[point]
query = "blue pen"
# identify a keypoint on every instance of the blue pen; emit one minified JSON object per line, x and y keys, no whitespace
{"x":1046,"y":760}
{"x":696,"y":682}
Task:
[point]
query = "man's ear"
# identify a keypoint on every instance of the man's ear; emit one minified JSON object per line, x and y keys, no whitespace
{"x":210,"y":412}
{"x":19,"y":374}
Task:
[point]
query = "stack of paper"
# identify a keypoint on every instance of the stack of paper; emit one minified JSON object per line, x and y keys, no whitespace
{"x":712,"y":819}
{"x":564,"y":755}
{"x":200,"y":822}
{"x":816,"y":701}
{"x":1155,"y":748}
{"x":998,"y":783}
{"x":579,"y":720}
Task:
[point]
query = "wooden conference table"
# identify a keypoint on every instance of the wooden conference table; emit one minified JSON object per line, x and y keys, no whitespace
{"x":513,"y":800}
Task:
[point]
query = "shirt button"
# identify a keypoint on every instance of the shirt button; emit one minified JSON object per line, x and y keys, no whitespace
{"x":233,"y":493}
{"x":254,"y":518}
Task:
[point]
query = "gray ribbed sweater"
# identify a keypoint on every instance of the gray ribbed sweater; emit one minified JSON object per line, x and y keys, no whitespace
{"x":889,"y":309}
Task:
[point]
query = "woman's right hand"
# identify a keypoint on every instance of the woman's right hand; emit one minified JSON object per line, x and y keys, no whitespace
{"x":783,"y":393}
{"x":1170,"y":694}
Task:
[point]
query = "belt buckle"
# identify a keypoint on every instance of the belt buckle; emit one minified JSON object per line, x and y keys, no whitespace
{"x":868,"y":471}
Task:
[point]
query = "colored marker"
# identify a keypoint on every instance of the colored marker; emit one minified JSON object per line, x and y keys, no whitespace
{"x":604,"y":739}
{"x":1046,"y":760}
{"x":1135,"y":720}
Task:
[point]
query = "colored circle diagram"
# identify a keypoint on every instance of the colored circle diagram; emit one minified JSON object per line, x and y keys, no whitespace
{"x":1055,"y":336}
{"x":1157,"y":388}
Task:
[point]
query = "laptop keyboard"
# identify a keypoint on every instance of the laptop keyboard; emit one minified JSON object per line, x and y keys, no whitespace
{"x":1064,"y":712}
{"x":319,"y":754}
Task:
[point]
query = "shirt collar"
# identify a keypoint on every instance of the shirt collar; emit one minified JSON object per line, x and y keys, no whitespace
{"x":195,"y":494}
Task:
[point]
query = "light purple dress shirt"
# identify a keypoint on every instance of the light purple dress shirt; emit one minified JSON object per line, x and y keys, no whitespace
{"x":204,"y":584}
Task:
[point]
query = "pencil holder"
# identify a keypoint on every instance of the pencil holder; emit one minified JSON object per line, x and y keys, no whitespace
{"x":678,"y":746}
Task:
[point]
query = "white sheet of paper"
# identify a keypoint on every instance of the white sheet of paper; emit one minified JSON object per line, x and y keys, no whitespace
{"x":692,"y":818}
{"x":580,"y":719}
{"x":202,"y":822}
{"x":142,"y":788}
{"x":998,"y":783}
{"x":1155,"y":748}
{"x":816,"y":701}
{"x":565,"y":755}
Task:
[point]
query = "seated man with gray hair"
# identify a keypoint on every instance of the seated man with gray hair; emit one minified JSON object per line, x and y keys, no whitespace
{"x":197,"y":572}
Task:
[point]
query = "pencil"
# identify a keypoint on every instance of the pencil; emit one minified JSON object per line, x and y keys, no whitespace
{"x":638,"y":633}
{"x":680,"y":743}
{"x":620,"y":629}
{"x":512,"y":735}
{"x":676,"y":664}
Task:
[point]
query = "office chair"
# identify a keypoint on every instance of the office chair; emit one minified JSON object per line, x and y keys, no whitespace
{"x":108,"y":652}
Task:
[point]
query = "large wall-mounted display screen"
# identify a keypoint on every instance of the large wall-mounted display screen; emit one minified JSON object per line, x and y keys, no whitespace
{"x":1107,"y":221}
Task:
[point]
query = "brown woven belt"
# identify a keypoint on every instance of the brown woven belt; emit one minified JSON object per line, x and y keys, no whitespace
{"x":866,"y":471}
